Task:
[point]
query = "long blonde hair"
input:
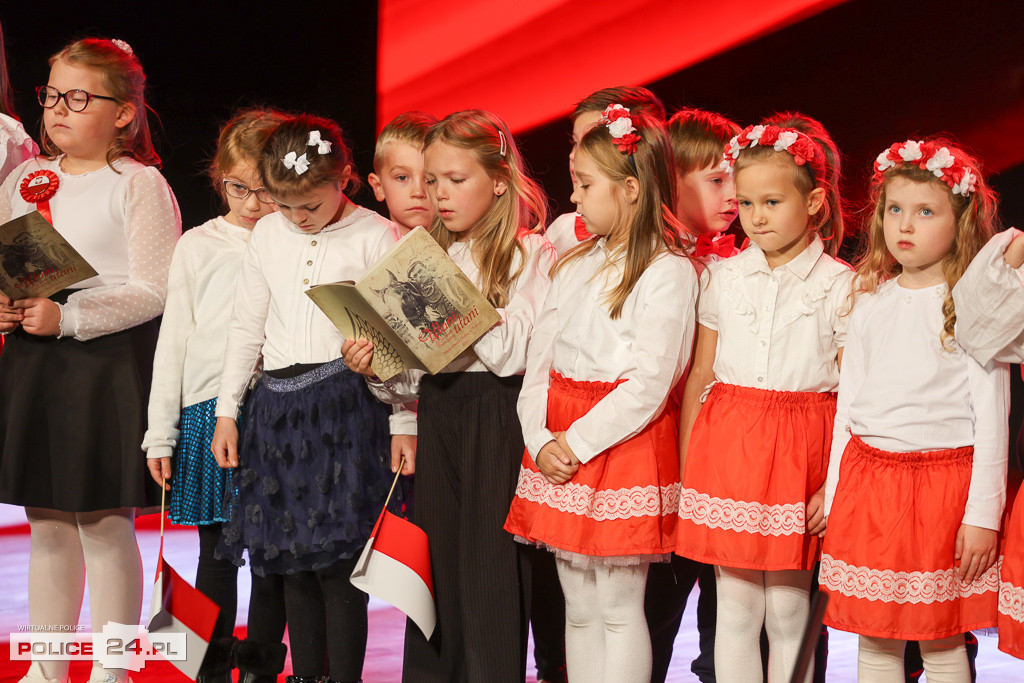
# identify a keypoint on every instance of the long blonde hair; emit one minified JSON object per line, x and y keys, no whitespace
{"x":521,"y":208}
{"x":650,"y":228}
{"x":976,"y":221}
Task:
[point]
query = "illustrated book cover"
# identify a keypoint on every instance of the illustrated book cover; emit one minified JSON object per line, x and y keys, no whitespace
{"x":36,"y":261}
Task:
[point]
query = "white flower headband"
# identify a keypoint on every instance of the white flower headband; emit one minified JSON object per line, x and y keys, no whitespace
{"x":301,"y":163}
{"x":620,"y":126}
{"x":125,"y":47}
{"x":931,"y":156}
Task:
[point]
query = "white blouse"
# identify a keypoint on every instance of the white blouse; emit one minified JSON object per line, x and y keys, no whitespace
{"x":15,"y":145}
{"x":777,"y":329}
{"x":125,"y":223}
{"x":193,"y":333}
{"x":648,"y":346}
{"x":989,"y":301}
{"x":271,"y":312}
{"x":900,"y":391}
{"x":502,"y":349}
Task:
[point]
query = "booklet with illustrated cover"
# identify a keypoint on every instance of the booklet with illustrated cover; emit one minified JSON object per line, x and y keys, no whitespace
{"x":36,"y":261}
{"x":415,"y":305}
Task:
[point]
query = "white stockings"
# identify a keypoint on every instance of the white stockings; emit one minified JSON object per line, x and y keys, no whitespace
{"x":881,"y":660}
{"x":67,"y":547}
{"x":748,"y":599}
{"x":606,"y":637}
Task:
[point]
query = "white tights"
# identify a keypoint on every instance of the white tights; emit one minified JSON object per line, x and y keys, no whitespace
{"x":748,"y":598}
{"x":880,"y":660}
{"x":68,"y":546}
{"x":606,"y":637}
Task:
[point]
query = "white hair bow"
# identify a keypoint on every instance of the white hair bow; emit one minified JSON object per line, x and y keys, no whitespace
{"x":322,"y":146}
{"x":299,"y":163}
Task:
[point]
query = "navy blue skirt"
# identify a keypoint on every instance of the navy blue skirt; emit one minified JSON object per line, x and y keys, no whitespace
{"x":314,"y":471}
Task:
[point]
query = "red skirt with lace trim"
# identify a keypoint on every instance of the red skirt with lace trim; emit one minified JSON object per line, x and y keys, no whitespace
{"x":887,"y":563}
{"x":754,"y":460}
{"x":624,"y":501}
{"x":1011,"y":584}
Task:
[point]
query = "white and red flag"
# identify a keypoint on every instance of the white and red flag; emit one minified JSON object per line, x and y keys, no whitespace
{"x":395,"y":567}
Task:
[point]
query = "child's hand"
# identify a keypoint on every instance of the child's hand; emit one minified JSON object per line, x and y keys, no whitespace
{"x":564,"y":445}
{"x":160,"y":469}
{"x":225,"y":442}
{"x":403,"y":444}
{"x":40,"y":317}
{"x":358,"y":355}
{"x":1014,"y":254}
{"x":10,"y":317}
{"x":554,"y":464}
{"x":975,"y":551}
{"x":816,"y":513}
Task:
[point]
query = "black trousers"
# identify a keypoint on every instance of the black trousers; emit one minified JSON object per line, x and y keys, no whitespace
{"x":470,"y":448}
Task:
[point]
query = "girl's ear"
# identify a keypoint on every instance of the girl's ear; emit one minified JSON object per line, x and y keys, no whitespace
{"x":632,"y":186}
{"x":346,"y":175}
{"x":125,"y":115}
{"x":815,"y":200}
{"x":500,"y":187}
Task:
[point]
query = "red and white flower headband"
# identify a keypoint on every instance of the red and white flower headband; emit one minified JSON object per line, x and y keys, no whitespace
{"x":804,"y":150}
{"x":620,"y":125}
{"x":931,"y":156}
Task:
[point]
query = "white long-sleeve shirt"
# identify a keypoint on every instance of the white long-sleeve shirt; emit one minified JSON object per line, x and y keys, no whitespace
{"x":502,"y":349}
{"x":900,"y":391}
{"x":193,"y":333}
{"x":989,"y":301}
{"x":648,"y":346}
{"x":777,"y":329}
{"x":125,"y":223}
{"x":271,"y":311}
{"x":15,"y":145}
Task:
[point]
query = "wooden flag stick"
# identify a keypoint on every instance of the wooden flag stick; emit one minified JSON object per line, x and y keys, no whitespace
{"x":395,"y":482}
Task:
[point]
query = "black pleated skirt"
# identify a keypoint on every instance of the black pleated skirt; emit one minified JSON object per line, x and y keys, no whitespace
{"x":72,"y":416}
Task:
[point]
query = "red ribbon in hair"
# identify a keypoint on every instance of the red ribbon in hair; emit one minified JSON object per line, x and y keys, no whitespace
{"x":38,"y":188}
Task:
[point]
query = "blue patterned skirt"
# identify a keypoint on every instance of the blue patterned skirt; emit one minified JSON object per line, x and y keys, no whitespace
{"x":314,"y":471}
{"x":197,"y":489}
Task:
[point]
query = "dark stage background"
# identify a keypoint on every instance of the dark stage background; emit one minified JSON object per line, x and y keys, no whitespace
{"x":873,"y":72}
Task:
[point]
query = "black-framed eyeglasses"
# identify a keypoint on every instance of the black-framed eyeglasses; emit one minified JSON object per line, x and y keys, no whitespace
{"x":76,"y":100}
{"x":239,"y":190}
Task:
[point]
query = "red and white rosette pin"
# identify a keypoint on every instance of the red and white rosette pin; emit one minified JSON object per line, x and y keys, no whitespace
{"x":38,"y":188}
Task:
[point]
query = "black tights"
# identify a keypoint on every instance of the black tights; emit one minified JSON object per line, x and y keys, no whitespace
{"x":217,"y":579}
{"x":326,"y":613}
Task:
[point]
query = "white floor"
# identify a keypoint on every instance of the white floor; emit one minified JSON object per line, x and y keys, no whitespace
{"x":386,"y":623}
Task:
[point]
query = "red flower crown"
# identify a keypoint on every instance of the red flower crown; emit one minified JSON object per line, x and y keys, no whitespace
{"x":931,"y":156}
{"x":804,"y":149}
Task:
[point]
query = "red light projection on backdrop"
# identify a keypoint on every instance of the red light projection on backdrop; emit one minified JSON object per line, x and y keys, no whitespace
{"x":531,"y":60}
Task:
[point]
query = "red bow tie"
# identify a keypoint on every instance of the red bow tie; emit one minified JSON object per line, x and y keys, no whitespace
{"x":581,"y":230}
{"x":723,"y":245}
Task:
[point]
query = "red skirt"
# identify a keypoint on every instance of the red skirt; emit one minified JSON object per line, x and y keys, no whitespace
{"x":755,"y":458}
{"x":1011,"y":585}
{"x":887,"y":563}
{"x":622,"y":502}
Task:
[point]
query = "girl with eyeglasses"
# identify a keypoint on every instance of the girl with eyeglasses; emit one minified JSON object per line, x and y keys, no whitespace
{"x":186,"y":378}
{"x":74,"y":373}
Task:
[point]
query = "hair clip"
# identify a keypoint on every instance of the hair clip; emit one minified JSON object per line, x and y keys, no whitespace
{"x":299,"y":163}
{"x":503,"y":148}
{"x":125,"y":47}
{"x":322,"y":146}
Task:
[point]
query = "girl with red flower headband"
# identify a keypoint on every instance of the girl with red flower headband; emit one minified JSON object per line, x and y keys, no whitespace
{"x":599,"y":479}
{"x":74,"y":374}
{"x":758,"y":404}
{"x":917,"y":475}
